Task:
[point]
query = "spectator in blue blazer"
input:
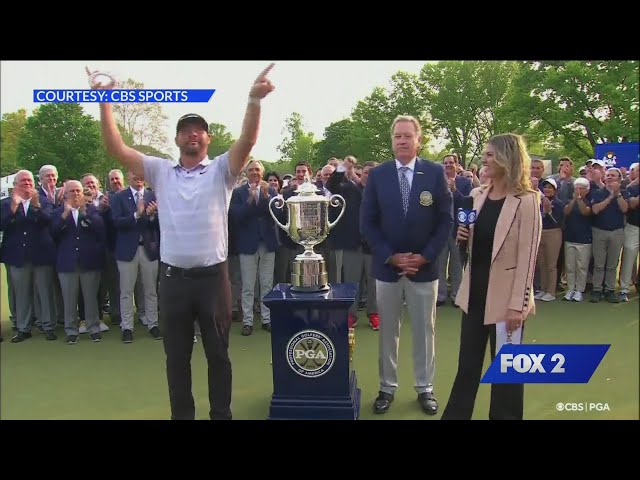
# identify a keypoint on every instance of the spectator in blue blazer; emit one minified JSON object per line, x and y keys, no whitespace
{"x":255,"y":239}
{"x":28,"y":251}
{"x":137,"y":250}
{"x":79,"y":230}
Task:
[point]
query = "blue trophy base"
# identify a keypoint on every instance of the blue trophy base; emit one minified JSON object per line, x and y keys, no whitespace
{"x":312,"y":374}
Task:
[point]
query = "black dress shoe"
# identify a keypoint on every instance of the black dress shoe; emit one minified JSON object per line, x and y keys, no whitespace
{"x":428,"y":403}
{"x":266,"y":326}
{"x":20,"y":337}
{"x":382,"y":403}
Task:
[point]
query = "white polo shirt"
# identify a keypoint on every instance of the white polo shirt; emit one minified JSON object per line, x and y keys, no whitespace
{"x":193,"y":207}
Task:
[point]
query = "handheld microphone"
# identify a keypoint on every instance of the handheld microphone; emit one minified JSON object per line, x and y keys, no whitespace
{"x":466,"y":216}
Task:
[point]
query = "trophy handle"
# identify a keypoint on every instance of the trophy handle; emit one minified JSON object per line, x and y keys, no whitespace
{"x":334,"y":201}
{"x":279,"y":204}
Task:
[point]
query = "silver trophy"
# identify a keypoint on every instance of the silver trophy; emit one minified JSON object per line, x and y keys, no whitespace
{"x":308,"y":225}
{"x":104,"y":79}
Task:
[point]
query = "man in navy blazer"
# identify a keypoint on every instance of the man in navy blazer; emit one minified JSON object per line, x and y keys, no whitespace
{"x":79,"y":229}
{"x":406,"y":218}
{"x":137,"y":250}
{"x":255,"y":242}
{"x":28,"y":251}
{"x":449,"y":258}
{"x":48,"y":176}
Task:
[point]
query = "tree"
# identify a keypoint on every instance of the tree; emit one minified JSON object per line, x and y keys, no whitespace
{"x":372,"y":117}
{"x":337,"y":140}
{"x":574,"y":101}
{"x":62,"y":135}
{"x":298,"y":145}
{"x":221,"y":139}
{"x":463,"y":98}
{"x":11,"y":127}
{"x":143,"y":122}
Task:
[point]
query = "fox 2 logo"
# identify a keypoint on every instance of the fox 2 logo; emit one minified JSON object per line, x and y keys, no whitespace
{"x":521,"y":363}
{"x":530,"y":363}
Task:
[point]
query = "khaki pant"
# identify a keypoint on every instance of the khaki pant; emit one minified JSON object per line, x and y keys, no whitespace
{"x":576,"y":264}
{"x":548,"y":259}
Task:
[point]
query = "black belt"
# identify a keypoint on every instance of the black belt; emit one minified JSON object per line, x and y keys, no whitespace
{"x":195,"y":272}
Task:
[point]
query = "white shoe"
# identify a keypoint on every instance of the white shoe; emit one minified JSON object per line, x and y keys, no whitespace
{"x":83,"y":327}
{"x":195,"y":339}
{"x":539,"y":295}
{"x":103,"y":327}
{"x":569,"y":295}
{"x":548,"y":297}
{"x":577,"y":297}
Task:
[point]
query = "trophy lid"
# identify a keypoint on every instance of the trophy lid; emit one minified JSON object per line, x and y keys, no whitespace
{"x":306,"y":192}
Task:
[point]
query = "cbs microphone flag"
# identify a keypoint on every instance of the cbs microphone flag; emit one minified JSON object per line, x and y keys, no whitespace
{"x":545,"y":363}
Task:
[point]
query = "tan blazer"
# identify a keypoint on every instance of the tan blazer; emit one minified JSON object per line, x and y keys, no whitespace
{"x":513,"y":261}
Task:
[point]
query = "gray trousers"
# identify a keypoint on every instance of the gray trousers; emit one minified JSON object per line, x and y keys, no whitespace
{"x":111,"y":281}
{"x":147,"y":270}
{"x":421,"y":304}
{"x":235,"y":277}
{"x":26,"y":280}
{"x":261,"y":262}
{"x":70,"y":284}
{"x":450,"y":256}
{"x":372,"y":304}
{"x":349,"y":265}
{"x":607,"y":246}
{"x":11,"y":292}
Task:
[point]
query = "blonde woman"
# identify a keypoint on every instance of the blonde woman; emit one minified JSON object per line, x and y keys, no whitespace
{"x":496,"y":290}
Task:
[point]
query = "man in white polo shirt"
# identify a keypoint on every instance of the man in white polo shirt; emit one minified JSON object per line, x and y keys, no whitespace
{"x":193,"y":197}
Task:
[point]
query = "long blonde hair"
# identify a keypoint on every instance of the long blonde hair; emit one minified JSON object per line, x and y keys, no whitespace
{"x":512,"y":157}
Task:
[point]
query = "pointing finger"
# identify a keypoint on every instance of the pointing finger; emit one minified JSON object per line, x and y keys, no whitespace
{"x":266,"y":71}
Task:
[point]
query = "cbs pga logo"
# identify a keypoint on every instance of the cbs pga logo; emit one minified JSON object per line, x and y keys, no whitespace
{"x":582,"y":407}
{"x":466,"y":217}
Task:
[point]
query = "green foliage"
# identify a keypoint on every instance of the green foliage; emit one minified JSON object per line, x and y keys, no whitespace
{"x":337,"y":141}
{"x":573,"y":101}
{"x":298,"y":145}
{"x":221,"y":140}
{"x":281,"y":167}
{"x":463,"y":98}
{"x":62,"y":135}
{"x":372,"y":117}
{"x":11,"y":127}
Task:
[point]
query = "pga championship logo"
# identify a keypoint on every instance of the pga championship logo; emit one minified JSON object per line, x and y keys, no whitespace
{"x":310,"y":353}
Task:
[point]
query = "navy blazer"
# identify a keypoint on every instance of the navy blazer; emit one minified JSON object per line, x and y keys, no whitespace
{"x":346,"y":234}
{"x":27,"y":239}
{"x":424,"y":230}
{"x":463,"y":189}
{"x":54,"y":202}
{"x":128,"y":230}
{"x":82,"y":245}
{"x":252,"y":223}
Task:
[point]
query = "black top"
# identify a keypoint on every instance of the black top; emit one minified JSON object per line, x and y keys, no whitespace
{"x":483,"y":234}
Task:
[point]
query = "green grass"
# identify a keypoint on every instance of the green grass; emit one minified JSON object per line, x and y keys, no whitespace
{"x":111,"y":380}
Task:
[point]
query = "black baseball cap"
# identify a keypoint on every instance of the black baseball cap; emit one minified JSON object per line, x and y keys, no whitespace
{"x":192,"y":118}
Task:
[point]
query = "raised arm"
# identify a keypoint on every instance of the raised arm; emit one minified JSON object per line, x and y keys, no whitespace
{"x":241,"y":148}
{"x":115,"y":146}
